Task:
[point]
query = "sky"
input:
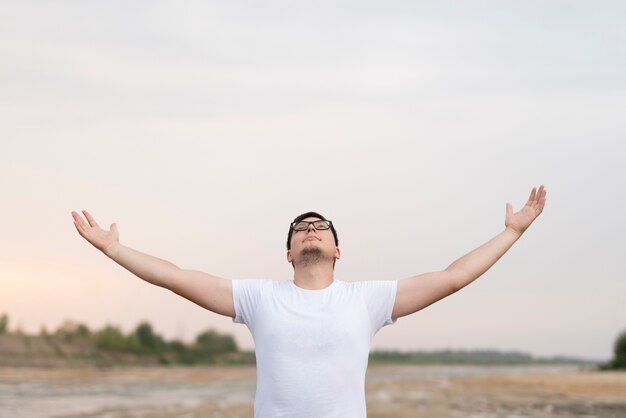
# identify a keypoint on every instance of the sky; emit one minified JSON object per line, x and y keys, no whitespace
{"x":203,"y":129}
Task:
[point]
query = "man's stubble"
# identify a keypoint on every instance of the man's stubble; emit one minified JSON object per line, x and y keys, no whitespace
{"x":311,"y":255}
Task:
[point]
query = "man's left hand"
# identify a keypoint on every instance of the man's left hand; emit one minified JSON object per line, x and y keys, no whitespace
{"x":521,"y":220}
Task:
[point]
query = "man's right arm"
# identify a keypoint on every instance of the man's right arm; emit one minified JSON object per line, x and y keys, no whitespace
{"x":211,"y":292}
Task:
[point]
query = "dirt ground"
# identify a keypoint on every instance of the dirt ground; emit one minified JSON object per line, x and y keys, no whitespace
{"x":581,"y":394}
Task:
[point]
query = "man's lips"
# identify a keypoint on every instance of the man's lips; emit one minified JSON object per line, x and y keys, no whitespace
{"x":310,"y":238}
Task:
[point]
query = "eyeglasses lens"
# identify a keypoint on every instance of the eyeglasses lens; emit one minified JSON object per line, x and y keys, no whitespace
{"x":319,"y":225}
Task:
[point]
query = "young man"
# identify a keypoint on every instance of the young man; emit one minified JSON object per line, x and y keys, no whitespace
{"x":312,"y":334}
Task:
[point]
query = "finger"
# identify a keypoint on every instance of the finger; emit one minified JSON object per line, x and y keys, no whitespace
{"x":540,"y":193}
{"x":542,"y":199}
{"x":539,"y":201}
{"x":78,"y":229}
{"x":531,"y":198}
{"x":79,"y":220}
{"x":90,"y":219}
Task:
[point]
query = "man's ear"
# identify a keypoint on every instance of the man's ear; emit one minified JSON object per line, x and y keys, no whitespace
{"x":337,"y":253}
{"x":289,"y":256}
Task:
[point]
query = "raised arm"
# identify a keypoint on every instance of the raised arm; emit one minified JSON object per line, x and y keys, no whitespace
{"x":211,"y":292}
{"x":417,"y":292}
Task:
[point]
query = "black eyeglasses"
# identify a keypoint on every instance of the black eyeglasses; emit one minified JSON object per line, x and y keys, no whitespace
{"x":304,"y":225}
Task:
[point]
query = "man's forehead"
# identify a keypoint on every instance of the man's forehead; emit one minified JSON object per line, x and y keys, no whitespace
{"x":312,"y":218}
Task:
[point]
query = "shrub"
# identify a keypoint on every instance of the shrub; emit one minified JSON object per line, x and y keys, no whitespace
{"x":70,"y":330}
{"x":147,"y":341}
{"x":4,"y":323}
{"x":110,"y":338}
{"x":619,"y":351}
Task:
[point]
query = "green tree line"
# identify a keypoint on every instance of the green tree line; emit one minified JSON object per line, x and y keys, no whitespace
{"x":209,"y":347}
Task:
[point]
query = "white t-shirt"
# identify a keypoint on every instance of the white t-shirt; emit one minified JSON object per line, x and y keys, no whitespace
{"x":312,"y":346}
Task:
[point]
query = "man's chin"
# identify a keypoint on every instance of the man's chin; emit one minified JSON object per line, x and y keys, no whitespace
{"x":311,"y":250}
{"x":312,"y":254}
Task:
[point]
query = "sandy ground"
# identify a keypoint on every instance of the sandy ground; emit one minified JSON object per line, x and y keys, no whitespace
{"x":539,"y":395}
{"x":391,"y":391}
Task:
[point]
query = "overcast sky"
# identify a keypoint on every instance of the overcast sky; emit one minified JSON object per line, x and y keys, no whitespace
{"x":203,"y":129}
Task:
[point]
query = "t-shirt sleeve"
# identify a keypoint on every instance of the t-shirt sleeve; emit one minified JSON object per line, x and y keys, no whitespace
{"x":246,"y":297}
{"x":380,"y":296}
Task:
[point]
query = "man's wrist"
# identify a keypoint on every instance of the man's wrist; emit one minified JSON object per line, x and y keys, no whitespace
{"x":112,"y":250}
{"x":513,"y":232}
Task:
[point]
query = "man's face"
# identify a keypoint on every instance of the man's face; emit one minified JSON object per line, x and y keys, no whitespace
{"x":312,"y":245}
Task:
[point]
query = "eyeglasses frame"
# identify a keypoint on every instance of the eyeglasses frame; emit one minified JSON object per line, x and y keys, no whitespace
{"x":328,"y":222}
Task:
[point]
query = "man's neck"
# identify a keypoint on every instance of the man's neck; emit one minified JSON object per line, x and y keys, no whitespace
{"x":314,"y":277}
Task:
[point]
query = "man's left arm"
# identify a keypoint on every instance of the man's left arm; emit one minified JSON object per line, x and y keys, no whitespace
{"x":418,"y":292}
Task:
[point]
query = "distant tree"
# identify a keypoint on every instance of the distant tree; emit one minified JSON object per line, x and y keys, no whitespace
{"x":183,"y":354}
{"x":146,"y":339}
{"x":619,"y":351}
{"x":70,"y":330}
{"x":110,"y":338}
{"x":210,"y":343}
{"x":4,"y":323}
{"x":146,"y":336}
{"x":83,"y":331}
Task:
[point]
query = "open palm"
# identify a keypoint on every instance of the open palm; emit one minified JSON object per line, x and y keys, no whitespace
{"x":521,"y":220}
{"x":92,"y":232}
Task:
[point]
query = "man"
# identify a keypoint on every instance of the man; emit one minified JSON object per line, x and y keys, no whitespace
{"x":312,"y":334}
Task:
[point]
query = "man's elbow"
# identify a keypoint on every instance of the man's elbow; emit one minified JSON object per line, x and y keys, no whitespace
{"x":172,"y":280}
{"x":457,"y":279}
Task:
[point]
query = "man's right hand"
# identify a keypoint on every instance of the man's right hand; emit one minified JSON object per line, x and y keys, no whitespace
{"x":103,"y":240}
{"x":211,"y":292}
